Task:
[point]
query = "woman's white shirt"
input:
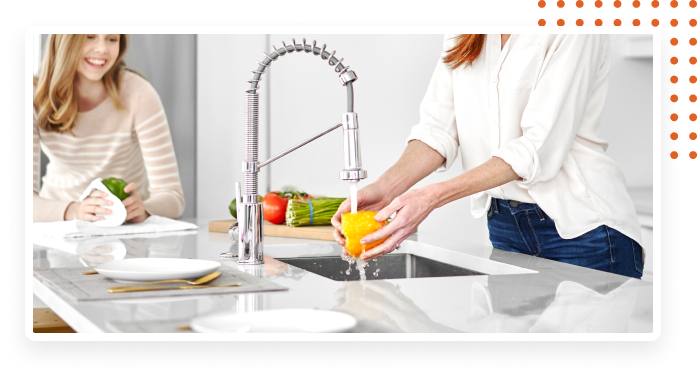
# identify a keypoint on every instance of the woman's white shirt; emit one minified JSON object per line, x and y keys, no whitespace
{"x":536,"y":104}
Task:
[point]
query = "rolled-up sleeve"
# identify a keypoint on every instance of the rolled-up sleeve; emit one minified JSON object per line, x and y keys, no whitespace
{"x":574,"y":68}
{"x":437,"y":127}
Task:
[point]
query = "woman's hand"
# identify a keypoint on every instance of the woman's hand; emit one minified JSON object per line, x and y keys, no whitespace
{"x":135,"y":210}
{"x":87,"y":209}
{"x":371,"y":197}
{"x":97,"y":256}
{"x":412,"y":208}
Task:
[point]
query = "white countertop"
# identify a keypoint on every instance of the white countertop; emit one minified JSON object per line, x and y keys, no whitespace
{"x":557,"y":298}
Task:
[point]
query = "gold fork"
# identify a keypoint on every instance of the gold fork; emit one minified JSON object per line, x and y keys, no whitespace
{"x":201,"y":281}
{"x":185,"y":287}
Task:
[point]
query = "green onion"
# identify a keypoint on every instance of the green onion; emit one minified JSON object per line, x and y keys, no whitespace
{"x":323,"y":209}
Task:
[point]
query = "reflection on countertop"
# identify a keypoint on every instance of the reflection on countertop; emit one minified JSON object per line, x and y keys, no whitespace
{"x":557,"y":298}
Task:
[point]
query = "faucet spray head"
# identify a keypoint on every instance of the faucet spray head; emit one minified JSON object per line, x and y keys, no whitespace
{"x":353,"y":170}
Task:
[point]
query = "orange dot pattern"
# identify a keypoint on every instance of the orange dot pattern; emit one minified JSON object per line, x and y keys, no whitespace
{"x":655,"y":22}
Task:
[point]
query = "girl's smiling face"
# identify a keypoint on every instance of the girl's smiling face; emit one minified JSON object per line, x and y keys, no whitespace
{"x":98,"y":55}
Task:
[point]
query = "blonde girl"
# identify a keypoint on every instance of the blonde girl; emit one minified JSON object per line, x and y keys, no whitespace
{"x":93,"y":117}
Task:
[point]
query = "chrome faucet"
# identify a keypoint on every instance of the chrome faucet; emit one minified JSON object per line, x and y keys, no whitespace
{"x":247,"y":232}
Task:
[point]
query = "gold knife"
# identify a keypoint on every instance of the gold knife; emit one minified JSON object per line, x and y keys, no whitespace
{"x":186,"y":287}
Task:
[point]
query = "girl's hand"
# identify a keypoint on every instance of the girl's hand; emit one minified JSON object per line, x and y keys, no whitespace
{"x":89,"y":208}
{"x":371,"y":197}
{"x":135,"y":210}
{"x":412,"y":208}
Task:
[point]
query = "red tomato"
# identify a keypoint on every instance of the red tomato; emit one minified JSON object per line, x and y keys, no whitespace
{"x":276,"y":203}
{"x":275,"y":208}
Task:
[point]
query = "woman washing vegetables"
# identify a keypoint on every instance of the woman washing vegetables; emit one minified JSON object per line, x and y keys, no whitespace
{"x":524,"y":112}
{"x":93,"y":117}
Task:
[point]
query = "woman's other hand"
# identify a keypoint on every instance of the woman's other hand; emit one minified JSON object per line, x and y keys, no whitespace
{"x":135,"y":210}
{"x":89,"y":208}
{"x":412,"y":208}
{"x":371,"y":197}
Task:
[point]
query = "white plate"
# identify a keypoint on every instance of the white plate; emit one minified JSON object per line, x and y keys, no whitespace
{"x":275,"y":321}
{"x":155,"y":269}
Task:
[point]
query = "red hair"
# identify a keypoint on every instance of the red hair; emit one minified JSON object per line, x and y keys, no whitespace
{"x":467,"y":48}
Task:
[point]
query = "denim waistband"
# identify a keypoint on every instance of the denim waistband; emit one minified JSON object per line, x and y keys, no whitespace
{"x":511,"y":203}
{"x":515,"y":207}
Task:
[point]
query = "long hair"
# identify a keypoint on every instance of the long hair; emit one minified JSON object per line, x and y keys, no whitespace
{"x":55,"y":98}
{"x":467,"y":48}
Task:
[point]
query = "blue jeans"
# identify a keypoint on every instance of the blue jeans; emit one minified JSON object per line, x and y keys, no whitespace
{"x":525,"y":228}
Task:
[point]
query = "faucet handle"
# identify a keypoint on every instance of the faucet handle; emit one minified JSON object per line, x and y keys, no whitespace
{"x":238,"y":192}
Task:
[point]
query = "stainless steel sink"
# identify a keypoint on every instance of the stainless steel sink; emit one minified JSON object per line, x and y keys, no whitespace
{"x":414,"y":260}
{"x":387,"y":267}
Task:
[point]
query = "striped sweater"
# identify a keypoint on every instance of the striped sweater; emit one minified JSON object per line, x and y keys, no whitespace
{"x":134,"y":145}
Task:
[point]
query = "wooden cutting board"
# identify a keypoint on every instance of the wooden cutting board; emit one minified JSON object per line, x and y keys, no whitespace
{"x":270,"y":229}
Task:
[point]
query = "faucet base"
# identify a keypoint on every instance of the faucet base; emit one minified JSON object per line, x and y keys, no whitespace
{"x":250,"y":235}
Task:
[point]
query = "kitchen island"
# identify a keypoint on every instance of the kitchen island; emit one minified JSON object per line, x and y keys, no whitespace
{"x":530,"y":295}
